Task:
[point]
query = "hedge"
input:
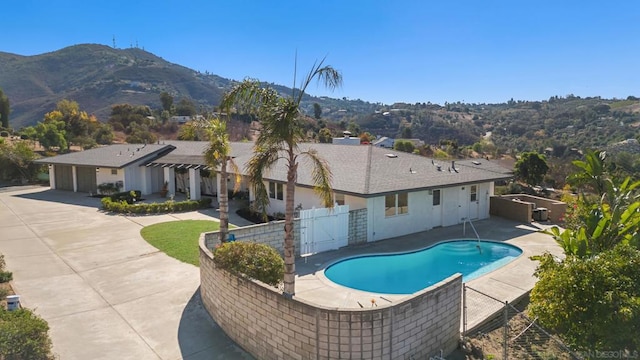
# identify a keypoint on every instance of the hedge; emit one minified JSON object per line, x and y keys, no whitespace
{"x":257,"y":261}
{"x":169,"y":206}
{"x":129,"y":196}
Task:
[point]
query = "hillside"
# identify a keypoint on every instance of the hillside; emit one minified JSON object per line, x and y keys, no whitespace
{"x":98,"y":76}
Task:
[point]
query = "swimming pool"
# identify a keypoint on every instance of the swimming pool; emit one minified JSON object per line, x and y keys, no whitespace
{"x":406,"y":273}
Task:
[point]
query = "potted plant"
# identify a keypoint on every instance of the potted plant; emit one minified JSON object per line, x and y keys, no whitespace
{"x":165,"y":189}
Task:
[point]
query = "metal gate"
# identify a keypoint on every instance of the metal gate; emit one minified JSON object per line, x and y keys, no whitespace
{"x":323,"y":229}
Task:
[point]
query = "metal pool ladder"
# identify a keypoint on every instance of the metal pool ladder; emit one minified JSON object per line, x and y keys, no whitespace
{"x":464,"y":231}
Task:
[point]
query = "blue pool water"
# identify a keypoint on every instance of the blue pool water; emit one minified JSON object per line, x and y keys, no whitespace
{"x":406,"y":273}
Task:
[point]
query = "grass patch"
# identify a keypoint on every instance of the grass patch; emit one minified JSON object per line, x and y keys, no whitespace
{"x":179,"y":239}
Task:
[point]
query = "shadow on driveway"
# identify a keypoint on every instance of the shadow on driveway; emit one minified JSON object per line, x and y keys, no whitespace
{"x":200,"y":337}
{"x":64,"y":197}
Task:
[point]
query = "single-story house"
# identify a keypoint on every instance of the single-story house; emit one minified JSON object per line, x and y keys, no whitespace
{"x":403,"y":193}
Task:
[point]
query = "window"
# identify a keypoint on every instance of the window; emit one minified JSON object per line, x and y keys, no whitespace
{"x":436,"y":197}
{"x":275,"y":190}
{"x":396,"y":204}
{"x":390,"y":205}
{"x":114,"y":171}
{"x":474,"y":193}
{"x":403,"y":203}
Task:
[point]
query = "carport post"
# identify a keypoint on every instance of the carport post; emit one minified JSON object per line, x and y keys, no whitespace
{"x":194,"y":184}
{"x":52,"y":176}
{"x":74,"y":176}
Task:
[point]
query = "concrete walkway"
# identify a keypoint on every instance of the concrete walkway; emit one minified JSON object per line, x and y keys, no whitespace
{"x":104,"y":291}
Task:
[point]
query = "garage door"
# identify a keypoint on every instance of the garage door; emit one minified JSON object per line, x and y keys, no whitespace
{"x":87,"y":179}
{"x":64,"y":177}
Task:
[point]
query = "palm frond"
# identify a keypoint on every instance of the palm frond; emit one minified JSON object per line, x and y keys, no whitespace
{"x":327,"y":75}
{"x":261,"y":162}
{"x":321,"y":176}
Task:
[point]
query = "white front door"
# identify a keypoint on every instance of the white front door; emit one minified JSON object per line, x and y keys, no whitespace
{"x":463,"y":204}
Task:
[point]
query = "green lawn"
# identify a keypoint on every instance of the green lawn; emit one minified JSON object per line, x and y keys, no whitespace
{"x":179,"y":239}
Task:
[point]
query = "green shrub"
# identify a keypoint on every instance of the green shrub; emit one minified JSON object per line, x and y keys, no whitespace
{"x":23,"y":335}
{"x":122,"y":207}
{"x":5,"y":276}
{"x":129,"y":196}
{"x":257,"y":261}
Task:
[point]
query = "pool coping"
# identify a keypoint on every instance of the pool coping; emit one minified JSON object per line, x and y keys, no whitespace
{"x":507,"y":283}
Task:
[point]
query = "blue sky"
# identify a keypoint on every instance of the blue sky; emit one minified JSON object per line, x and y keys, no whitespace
{"x":388,"y":51}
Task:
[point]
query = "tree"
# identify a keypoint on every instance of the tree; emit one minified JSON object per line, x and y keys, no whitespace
{"x":4,"y":110}
{"x":218,"y":155}
{"x":52,"y":133}
{"x":404,"y":145}
{"x":406,"y":133}
{"x":185,"y":107}
{"x":605,"y":220}
{"x":592,"y":297}
{"x":531,"y":168}
{"x":78,"y":125}
{"x":593,"y":303}
{"x":166,"y":100}
{"x":282,"y":132}
{"x":16,"y":161}
{"x":325,"y":136}
{"x":317,"y":111}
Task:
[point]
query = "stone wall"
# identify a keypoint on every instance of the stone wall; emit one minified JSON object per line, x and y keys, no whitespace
{"x":357,"y":226}
{"x":270,"y":326}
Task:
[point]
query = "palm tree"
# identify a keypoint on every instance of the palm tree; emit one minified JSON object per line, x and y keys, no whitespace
{"x":217,"y":155}
{"x":280,"y":137}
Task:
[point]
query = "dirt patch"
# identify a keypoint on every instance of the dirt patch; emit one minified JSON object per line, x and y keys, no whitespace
{"x":525,"y":340}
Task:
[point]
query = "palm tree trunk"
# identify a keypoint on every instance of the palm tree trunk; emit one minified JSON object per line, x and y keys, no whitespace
{"x":289,"y":245}
{"x":223,"y":199}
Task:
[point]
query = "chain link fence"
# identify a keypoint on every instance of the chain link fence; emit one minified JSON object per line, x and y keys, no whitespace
{"x":495,"y":329}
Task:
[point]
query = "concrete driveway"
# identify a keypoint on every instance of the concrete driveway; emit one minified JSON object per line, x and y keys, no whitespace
{"x":104,"y":291}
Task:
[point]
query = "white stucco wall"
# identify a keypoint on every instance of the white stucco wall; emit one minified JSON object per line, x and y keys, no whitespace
{"x":104,"y":176}
{"x":423,"y":215}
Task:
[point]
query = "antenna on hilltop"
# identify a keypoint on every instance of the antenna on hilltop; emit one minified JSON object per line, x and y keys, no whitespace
{"x":114,"y":41}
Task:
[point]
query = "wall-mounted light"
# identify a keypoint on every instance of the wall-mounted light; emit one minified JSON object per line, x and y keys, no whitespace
{"x":50,"y":166}
{"x":97,"y":169}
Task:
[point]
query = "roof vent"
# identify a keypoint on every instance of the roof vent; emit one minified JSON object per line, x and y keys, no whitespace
{"x":392,"y":156}
{"x":476,"y":162}
{"x":439,"y":167}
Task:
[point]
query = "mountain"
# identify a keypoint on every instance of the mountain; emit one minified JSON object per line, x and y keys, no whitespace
{"x":98,"y":76}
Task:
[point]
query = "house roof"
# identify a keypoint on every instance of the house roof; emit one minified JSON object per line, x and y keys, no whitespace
{"x":364,"y":170}
{"x":112,"y":156}
{"x":191,"y":153}
{"x":371,"y":170}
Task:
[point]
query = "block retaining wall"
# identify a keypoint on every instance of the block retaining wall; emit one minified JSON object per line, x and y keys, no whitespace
{"x":270,"y":326}
{"x":272,"y":233}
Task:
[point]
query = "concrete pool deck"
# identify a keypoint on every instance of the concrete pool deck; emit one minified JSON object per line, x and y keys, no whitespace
{"x":507,"y":283}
